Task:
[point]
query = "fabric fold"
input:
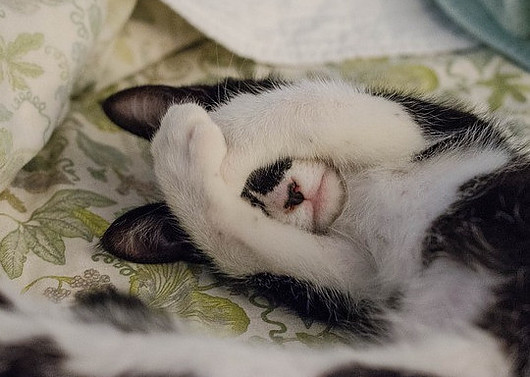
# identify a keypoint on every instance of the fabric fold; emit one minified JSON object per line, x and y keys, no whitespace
{"x":46,"y":53}
{"x":319,"y":31}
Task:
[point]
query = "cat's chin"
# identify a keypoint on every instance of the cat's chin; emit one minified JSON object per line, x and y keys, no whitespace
{"x":328,"y":200}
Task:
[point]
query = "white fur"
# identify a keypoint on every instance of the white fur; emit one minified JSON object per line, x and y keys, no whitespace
{"x":391,"y":207}
{"x":200,"y":177}
{"x":100,"y":350}
{"x":202,"y":161}
{"x":312,"y":119}
{"x":329,"y":121}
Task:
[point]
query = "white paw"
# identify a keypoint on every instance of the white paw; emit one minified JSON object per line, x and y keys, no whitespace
{"x":188,"y":151}
{"x":188,"y":133}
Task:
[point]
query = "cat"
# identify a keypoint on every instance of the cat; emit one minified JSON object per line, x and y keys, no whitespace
{"x":401,"y":219}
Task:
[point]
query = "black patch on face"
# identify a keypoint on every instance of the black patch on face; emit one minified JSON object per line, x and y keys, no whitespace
{"x":264,"y":180}
{"x":254,"y":202}
{"x":364,"y":371}
{"x":490,"y":227}
{"x":35,"y":357}
{"x":123,"y":312}
{"x":324,"y":305}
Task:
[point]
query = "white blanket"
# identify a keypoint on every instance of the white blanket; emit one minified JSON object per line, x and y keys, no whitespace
{"x":318,"y":31}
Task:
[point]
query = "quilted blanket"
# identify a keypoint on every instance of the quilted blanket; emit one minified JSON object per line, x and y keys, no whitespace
{"x":66,"y":171}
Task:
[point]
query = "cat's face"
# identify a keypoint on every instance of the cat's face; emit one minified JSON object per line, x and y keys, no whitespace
{"x":307,"y":194}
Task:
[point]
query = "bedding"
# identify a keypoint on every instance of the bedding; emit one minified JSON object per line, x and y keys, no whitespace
{"x":502,"y":24}
{"x":66,"y":171}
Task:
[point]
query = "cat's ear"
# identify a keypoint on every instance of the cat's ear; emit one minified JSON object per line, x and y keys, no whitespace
{"x":140,"y":109}
{"x":150,"y":234}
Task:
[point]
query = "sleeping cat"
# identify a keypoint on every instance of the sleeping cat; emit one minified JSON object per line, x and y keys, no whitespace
{"x":401,"y":219}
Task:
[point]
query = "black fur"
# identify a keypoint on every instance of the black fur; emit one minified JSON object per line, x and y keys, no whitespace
{"x":439,"y":147}
{"x":325,"y":305}
{"x":125,"y":107}
{"x":264,"y":180}
{"x":363,"y":371}
{"x":212,"y":96}
{"x":438,"y":119}
{"x":450,"y":126}
{"x":35,"y":357}
{"x":509,"y":319}
{"x":490,"y":228}
{"x":6,"y":303}
{"x":123,"y":312}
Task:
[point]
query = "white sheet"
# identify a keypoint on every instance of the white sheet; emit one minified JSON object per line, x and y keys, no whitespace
{"x":317,"y":31}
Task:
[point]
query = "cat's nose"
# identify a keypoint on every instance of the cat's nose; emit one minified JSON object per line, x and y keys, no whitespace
{"x":295,"y":197}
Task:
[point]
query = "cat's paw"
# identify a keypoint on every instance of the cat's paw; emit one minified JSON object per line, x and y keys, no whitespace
{"x":188,"y":151}
{"x":189,"y":146}
{"x":188,"y":133}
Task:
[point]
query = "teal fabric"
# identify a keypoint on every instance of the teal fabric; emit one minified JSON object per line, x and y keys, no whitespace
{"x":502,"y":24}
{"x":512,"y":15}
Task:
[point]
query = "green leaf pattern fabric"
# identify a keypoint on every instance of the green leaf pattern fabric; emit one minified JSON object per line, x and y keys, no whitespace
{"x":43,"y":48}
{"x":66,"y":171}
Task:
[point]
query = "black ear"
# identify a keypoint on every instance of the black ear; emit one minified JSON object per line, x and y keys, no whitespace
{"x":139,"y":110}
{"x":150,"y":234}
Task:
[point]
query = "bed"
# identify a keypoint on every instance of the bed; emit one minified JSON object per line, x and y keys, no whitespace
{"x":66,"y":172}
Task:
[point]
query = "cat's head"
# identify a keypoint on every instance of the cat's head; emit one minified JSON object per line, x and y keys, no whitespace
{"x":308,"y":194}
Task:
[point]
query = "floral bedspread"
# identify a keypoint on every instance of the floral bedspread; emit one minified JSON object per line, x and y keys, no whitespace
{"x":66,"y":171}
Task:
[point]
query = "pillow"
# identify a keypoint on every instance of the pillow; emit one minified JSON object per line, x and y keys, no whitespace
{"x":48,"y":50}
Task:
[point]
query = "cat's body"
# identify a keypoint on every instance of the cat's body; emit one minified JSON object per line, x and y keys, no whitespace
{"x":402,"y":220}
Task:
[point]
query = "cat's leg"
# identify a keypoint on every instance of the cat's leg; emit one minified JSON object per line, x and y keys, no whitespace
{"x":311,"y":120}
{"x":348,"y":126}
{"x":188,"y":152}
{"x":109,"y":338}
{"x":111,"y":353}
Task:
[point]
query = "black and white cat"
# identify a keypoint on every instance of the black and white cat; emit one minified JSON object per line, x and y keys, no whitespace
{"x":403,"y":220}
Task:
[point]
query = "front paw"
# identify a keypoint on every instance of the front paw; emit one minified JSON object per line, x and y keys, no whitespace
{"x":188,"y":141}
